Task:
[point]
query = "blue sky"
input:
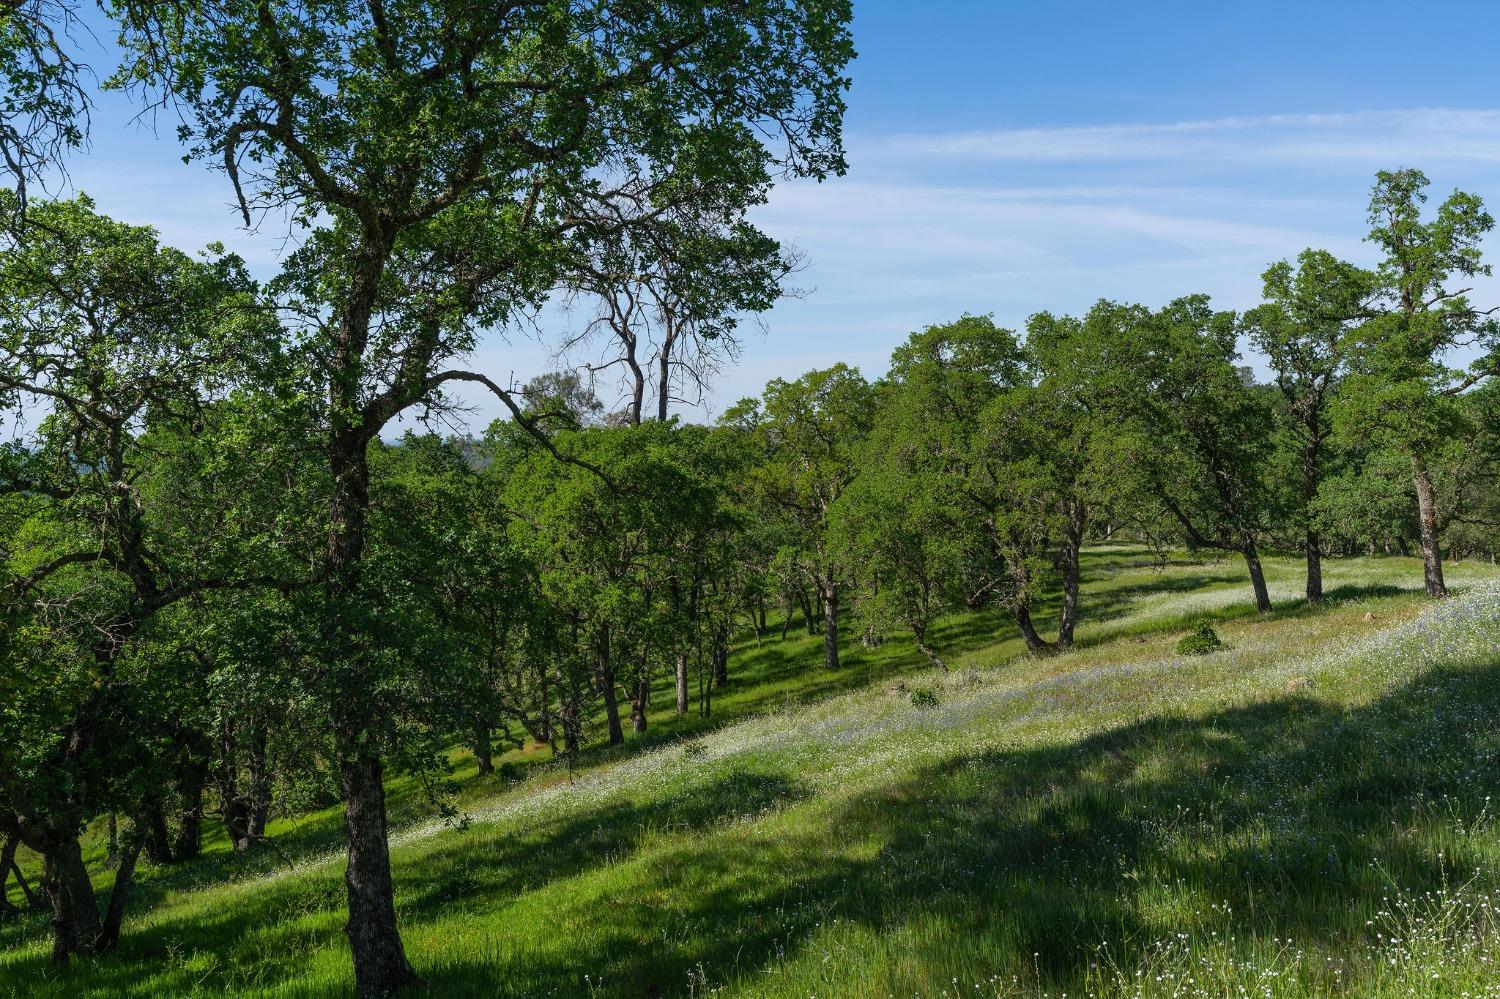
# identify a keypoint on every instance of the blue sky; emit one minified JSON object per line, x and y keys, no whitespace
{"x":1012,"y":157}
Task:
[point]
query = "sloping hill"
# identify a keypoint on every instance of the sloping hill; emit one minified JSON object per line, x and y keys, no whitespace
{"x":1305,"y":812}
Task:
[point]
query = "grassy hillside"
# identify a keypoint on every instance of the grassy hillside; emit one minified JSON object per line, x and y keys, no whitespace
{"x":1304,"y":813}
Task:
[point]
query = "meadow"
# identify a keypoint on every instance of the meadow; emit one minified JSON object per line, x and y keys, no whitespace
{"x":1305,"y":812}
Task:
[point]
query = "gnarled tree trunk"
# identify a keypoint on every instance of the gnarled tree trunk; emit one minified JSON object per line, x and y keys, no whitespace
{"x":919,"y":631}
{"x":75,"y":913}
{"x":1034,"y":642}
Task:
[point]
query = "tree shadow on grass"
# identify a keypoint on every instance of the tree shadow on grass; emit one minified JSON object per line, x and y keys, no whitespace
{"x":262,"y":934}
{"x":1290,"y":819}
{"x":1294,"y":817}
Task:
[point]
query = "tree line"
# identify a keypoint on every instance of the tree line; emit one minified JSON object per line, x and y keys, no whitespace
{"x":233,"y":592}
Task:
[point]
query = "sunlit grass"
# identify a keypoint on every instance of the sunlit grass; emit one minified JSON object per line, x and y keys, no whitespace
{"x":1303,"y":813}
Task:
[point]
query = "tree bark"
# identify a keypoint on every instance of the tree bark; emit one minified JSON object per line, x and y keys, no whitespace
{"x":638,"y":705}
{"x":1432,"y":556}
{"x":1072,"y":571}
{"x":682,"y":683}
{"x":1257,"y":575}
{"x":920,"y":634}
{"x":607,"y":688}
{"x":8,"y":909}
{"x":1314,"y":568}
{"x":484,"y":751}
{"x":114,"y":913}
{"x":380,"y":965}
{"x":233,"y":807}
{"x":831,"y":621}
{"x":664,"y":380}
{"x":1034,"y":642}
{"x":1311,"y":479}
{"x":807,"y":612}
{"x":158,"y":840}
{"x":75,"y":913}
{"x":721,"y":659}
{"x":259,"y":782}
{"x":189,"y":841}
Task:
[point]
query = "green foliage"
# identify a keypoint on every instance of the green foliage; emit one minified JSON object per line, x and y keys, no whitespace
{"x":923,"y":697}
{"x":1200,"y":641}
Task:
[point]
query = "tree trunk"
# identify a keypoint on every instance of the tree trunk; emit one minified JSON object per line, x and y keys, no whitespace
{"x":380,"y":965}
{"x":664,"y":380}
{"x":1310,"y":485}
{"x":1257,"y":575}
{"x":259,"y":782}
{"x":114,"y":913}
{"x":112,"y":851}
{"x":1432,"y":556}
{"x":189,"y":841}
{"x":544,"y":709}
{"x":158,"y":841}
{"x":682,"y":683}
{"x":8,"y":909}
{"x":484,"y":750}
{"x":233,"y":808}
{"x":1072,"y":571}
{"x":807,"y":612}
{"x":1034,"y":642}
{"x":1314,"y":568}
{"x":721,"y":660}
{"x":607,"y":688}
{"x":831,"y":622}
{"x":920,"y":634}
{"x":638,"y":705}
{"x":75,"y":913}
{"x":637,"y":388}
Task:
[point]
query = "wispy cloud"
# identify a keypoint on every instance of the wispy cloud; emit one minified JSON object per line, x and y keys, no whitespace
{"x":1428,"y":135}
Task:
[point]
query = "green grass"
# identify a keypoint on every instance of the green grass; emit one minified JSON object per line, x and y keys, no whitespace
{"x":1304,"y":812}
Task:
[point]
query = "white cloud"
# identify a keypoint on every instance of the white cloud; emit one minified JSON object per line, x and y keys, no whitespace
{"x":1429,"y":135}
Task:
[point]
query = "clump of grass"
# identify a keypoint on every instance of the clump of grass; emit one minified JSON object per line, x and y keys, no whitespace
{"x":1200,"y":641}
{"x":924,"y":697}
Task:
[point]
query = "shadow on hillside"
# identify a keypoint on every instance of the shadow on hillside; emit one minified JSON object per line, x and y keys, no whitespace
{"x":465,"y":872}
{"x":1299,"y":816}
{"x":1280,"y":810}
